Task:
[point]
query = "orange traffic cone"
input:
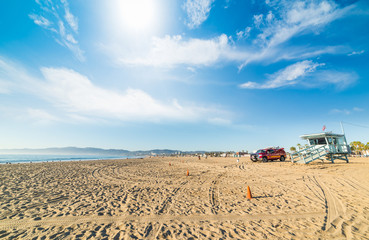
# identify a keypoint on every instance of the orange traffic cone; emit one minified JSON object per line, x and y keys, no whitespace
{"x":188,"y":173}
{"x":169,"y":164}
{"x":249,"y":196}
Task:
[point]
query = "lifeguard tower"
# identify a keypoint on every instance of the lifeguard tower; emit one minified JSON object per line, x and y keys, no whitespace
{"x":323,"y":146}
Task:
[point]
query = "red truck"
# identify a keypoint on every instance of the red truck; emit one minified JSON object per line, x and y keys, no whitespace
{"x":269,"y":154}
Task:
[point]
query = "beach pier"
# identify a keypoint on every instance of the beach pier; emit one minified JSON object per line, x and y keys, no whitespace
{"x":322,"y":146}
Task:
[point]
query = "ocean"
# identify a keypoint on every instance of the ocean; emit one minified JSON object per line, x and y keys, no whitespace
{"x":27,"y":158}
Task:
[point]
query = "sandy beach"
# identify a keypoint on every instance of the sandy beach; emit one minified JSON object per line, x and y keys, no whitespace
{"x":153,"y":198}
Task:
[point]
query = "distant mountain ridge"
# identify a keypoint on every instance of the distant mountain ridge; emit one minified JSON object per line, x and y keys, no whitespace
{"x":91,"y":151}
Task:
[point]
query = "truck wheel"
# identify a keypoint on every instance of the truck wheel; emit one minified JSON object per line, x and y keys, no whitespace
{"x":282,"y":158}
{"x":265,"y":159}
{"x":254,"y":159}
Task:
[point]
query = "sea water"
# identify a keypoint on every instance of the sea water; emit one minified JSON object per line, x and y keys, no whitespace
{"x":26,"y":158}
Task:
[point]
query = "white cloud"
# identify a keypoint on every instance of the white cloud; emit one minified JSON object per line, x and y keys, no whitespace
{"x":197,"y":11}
{"x":227,"y":4}
{"x":295,"y":18}
{"x":41,"y":116}
{"x":69,"y":17}
{"x":72,"y":20}
{"x":4,"y":87}
{"x":305,"y":74}
{"x":346,"y":111}
{"x":258,"y":19}
{"x":341,"y":80}
{"x":288,"y":76}
{"x":340,"y":111}
{"x":357,"y":109}
{"x":220,"y":121}
{"x":10,"y":75}
{"x":356,"y":53}
{"x":5,"y":84}
{"x":270,"y":17}
{"x":40,"y":20}
{"x":244,"y":34}
{"x":276,"y":54}
{"x":74,"y":97}
{"x":71,"y":39}
{"x":308,"y":52}
{"x":57,"y":18}
{"x":273,"y":31}
{"x":76,"y":94}
{"x":174,"y":50}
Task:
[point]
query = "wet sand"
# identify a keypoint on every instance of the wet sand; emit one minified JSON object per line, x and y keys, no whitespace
{"x":153,"y":198}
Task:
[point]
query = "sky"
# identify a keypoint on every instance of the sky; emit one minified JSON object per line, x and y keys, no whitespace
{"x":213,"y":75}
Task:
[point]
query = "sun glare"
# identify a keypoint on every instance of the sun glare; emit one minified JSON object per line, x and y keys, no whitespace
{"x":136,"y":16}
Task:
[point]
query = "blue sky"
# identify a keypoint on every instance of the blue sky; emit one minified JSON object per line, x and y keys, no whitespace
{"x":186,"y":75}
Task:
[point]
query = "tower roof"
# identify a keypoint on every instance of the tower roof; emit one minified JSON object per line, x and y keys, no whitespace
{"x":321,"y":135}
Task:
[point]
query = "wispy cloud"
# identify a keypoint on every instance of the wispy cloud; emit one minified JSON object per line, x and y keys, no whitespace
{"x":298,"y":17}
{"x":244,"y":33}
{"x":4,"y":87}
{"x":69,"y":17}
{"x":268,"y":42}
{"x":40,"y":20}
{"x":197,"y":11}
{"x":40,"y":116}
{"x":10,"y":75}
{"x":220,"y":121}
{"x":356,"y":53}
{"x":288,"y":76}
{"x":227,"y":3}
{"x":75,"y":93}
{"x":171,"y":51}
{"x":57,"y":18}
{"x":290,"y":19}
{"x":340,"y":111}
{"x":5,"y":84}
{"x":346,"y":111}
{"x":341,"y":80}
{"x":174,"y":50}
{"x":357,"y":109}
{"x":305,"y":74}
{"x":76,"y":97}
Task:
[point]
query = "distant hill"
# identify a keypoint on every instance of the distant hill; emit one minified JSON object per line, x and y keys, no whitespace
{"x":91,"y":151}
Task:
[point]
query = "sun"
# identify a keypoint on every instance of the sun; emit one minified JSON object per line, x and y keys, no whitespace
{"x":136,"y":16}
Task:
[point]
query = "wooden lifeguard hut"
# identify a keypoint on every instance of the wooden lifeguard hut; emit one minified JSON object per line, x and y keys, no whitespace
{"x":323,"y":146}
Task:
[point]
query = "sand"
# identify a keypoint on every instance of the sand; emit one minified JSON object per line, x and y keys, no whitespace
{"x":152,"y":199}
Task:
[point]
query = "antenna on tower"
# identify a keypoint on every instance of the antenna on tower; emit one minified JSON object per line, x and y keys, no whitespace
{"x":343,"y":130}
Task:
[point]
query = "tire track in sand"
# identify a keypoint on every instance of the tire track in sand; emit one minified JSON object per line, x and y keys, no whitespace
{"x":69,"y":220}
{"x":166,"y":203}
{"x":350,"y":224}
{"x":256,"y":167}
{"x":356,"y":185}
{"x":100,"y":175}
{"x":152,"y":230}
{"x":334,"y":207}
{"x":213,"y":194}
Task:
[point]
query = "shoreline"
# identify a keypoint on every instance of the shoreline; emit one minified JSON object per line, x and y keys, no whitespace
{"x":45,"y":158}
